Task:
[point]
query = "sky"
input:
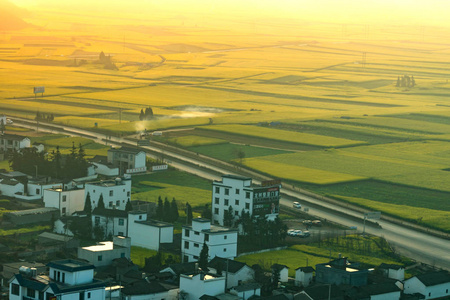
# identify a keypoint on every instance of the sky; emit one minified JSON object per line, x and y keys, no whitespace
{"x":403,"y":12}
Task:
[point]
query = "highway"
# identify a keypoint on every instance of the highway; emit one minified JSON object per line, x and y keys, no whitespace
{"x":419,"y":246}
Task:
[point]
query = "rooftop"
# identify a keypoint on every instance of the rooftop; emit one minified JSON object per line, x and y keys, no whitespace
{"x":33,"y":211}
{"x":126,"y":150}
{"x":70,"y":265}
{"x":221,"y":263}
{"x":434,"y":278}
{"x":102,"y":246}
{"x":155,"y":223}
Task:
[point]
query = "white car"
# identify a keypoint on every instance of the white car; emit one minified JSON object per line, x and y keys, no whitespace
{"x":296,"y":205}
{"x":291,"y":232}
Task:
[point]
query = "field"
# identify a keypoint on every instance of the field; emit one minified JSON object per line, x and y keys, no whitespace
{"x":316,"y":104}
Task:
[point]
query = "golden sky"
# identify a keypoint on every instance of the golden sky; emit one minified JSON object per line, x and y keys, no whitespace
{"x":399,"y":12}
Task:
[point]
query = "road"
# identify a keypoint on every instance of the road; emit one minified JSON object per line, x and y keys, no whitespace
{"x":419,"y":246}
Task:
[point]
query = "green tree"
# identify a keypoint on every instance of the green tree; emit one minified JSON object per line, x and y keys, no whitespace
{"x":128,"y":206}
{"x":174,"y":209}
{"x":228,"y":217}
{"x":189,"y":215}
{"x":2,"y":126}
{"x":101,"y":203}
{"x":88,"y":205}
{"x":141,"y":115}
{"x":167,"y":211}
{"x":160,"y":209}
{"x":206,"y":212}
{"x":203,"y":258}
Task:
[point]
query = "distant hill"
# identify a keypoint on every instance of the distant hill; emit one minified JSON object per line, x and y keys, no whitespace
{"x":11,"y":16}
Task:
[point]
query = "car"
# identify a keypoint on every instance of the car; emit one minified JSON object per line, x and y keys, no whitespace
{"x":297,"y":232}
{"x":9,"y":121}
{"x":307,"y":222}
{"x":291,"y":232}
{"x":296,"y":205}
{"x":304,"y":234}
{"x":317,"y":223}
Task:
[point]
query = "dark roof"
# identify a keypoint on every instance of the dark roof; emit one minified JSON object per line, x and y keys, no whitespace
{"x":201,"y":220}
{"x":154,"y":223}
{"x":10,"y":182}
{"x":110,"y":212}
{"x":126,"y":149}
{"x":376,"y":289}
{"x":321,"y":291}
{"x":122,"y":262}
{"x":180,"y":268}
{"x":279,"y":267}
{"x":142,"y":287}
{"x":434,"y":278}
{"x":8,"y":136}
{"x":247,"y":287}
{"x":236,"y":177}
{"x":208,"y":297}
{"x":391,"y":266}
{"x":306,"y":269}
{"x":136,"y":212}
{"x":31,"y":283}
{"x":233,"y":265}
{"x":70,"y":265}
{"x":58,"y":288}
{"x":99,"y":158}
{"x":275,"y":297}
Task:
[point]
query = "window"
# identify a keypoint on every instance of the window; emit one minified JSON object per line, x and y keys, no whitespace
{"x":186,"y":245}
{"x":236,"y":213}
{"x":186,"y":232}
{"x":206,"y":237}
{"x":236,"y":202}
{"x":237,"y":191}
{"x":217,"y":190}
{"x":121,"y":222}
{"x":196,"y":232}
{"x":140,"y":217}
{"x":195,"y":257}
{"x":111,"y":193}
{"x":120,"y":233}
{"x":247,"y":195}
{"x":30,"y":292}
{"x":225,"y":237}
{"x":226,"y":202}
{"x":110,"y":204}
{"x":196,"y":245}
{"x":247,"y":205}
{"x":81,"y":297}
{"x":38,"y":191}
{"x":93,"y":191}
{"x":224,"y":249}
{"x":122,"y":254}
{"x":64,"y":198}
{"x":63,"y":277}
{"x":15,"y":289}
{"x":100,"y":258}
{"x":54,"y":275}
{"x":227,"y":191}
{"x":63,"y":210}
{"x":41,"y":295}
{"x":216,"y":211}
{"x":216,"y":200}
{"x":118,"y":203}
{"x":128,"y":194}
{"x":89,"y":295}
{"x":58,"y":278}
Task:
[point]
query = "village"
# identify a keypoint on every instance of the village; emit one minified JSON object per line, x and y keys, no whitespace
{"x":99,"y":206}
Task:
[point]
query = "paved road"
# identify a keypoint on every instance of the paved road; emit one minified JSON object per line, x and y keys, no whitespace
{"x":416,"y":245}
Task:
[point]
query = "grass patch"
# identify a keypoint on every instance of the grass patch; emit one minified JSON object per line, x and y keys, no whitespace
{"x":194,"y":140}
{"x":139,"y":254}
{"x":229,"y":152}
{"x":178,"y":178}
{"x":27,"y":229}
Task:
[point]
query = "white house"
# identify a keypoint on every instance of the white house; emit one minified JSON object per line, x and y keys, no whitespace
{"x":145,"y":290}
{"x":113,"y":221}
{"x":18,"y":185}
{"x":39,"y":147}
{"x":102,"y":166}
{"x":67,"y":280}
{"x":236,"y":272}
{"x":432,"y":285}
{"x":246,"y":291}
{"x":128,"y":160}
{"x":284,"y":271}
{"x":239,"y":193}
{"x":148,"y":234}
{"x":13,"y":142}
{"x":193,"y":286}
{"x":67,"y":201}
{"x":221,"y":241}
{"x":393,"y":271}
{"x":304,"y":276}
{"x":104,"y":253}
{"x":116,"y":193}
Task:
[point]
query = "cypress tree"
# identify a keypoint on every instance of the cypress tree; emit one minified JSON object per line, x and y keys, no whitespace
{"x":88,"y":204}
{"x":159,"y":209}
{"x":203,"y":258}
{"x":101,"y":203}
{"x":174,"y":210}
{"x":167,"y":211}
{"x":128,"y":206}
{"x":188,"y":213}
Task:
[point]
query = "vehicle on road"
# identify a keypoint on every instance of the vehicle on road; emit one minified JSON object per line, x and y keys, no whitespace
{"x":304,"y":234}
{"x":307,"y":222}
{"x":296,"y":205}
{"x":291,"y":232}
{"x":317,"y":223}
{"x":9,"y":121}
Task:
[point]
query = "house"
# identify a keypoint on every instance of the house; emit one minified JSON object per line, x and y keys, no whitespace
{"x":340,"y":271}
{"x":104,"y":253}
{"x":102,"y":167}
{"x":380,"y":291}
{"x":116,"y":193}
{"x":13,"y":142}
{"x":148,"y":290}
{"x":181,"y":268}
{"x":195,"y":285}
{"x":39,"y":147}
{"x":112,"y":221}
{"x":236,"y":272}
{"x":283,"y":271}
{"x":221,"y":241}
{"x":30,"y":216}
{"x":239,"y":193}
{"x":148,"y":234}
{"x":321,"y":292}
{"x":53,"y":239}
{"x":304,"y":276}
{"x":246,"y":291}
{"x":67,"y":201}
{"x":67,"y":279}
{"x":434,"y":285}
{"x":128,"y":160}
{"x":392,"y":271}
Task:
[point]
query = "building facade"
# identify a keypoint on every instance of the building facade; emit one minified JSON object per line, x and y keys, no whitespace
{"x":239,"y":193}
{"x":221,"y":241}
{"x":128,"y":160}
{"x":13,"y":142}
{"x":67,"y":201}
{"x":104,"y":253}
{"x":116,"y":193}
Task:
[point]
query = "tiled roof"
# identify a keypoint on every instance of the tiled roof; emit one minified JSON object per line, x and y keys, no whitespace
{"x":142,"y":287}
{"x":306,"y":269}
{"x":233,"y":265}
{"x":70,"y":265}
{"x":434,"y":278}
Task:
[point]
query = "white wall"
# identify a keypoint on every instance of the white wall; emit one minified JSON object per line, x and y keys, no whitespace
{"x":74,"y":200}
{"x":302,"y":278}
{"x":243,"y":275}
{"x":148,"y":236}
{"x":195,"y":287}
{"x":284,"y":274}
{"x":387,"y":296}
{"x":120,"y":193}
{"x":11,"y":190}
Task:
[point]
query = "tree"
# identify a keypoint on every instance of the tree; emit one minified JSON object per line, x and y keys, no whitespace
{"x":174,"y":210}
{"x":101,"y":203}
{"x":206,"y":212}
{"x":203,"y":258}
{"x":240,"y":155}
{"x":228,"y":217}
{"x":141,"y":115}
{"x":128,"y":206}
{"x":99,"y":234}
{"x":160,"y":209}
{"x":275,"y":277}
{"x":189,"y":215}
{"x":153,"y":263}
{"x":88,"y":204}
{"x":167,"y":211}
{"x":148,"y":115}
{"x":2,"y":126}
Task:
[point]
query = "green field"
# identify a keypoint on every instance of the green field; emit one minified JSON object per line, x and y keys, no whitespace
{"x":230,"y":152}
{"x":195,"y":141}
